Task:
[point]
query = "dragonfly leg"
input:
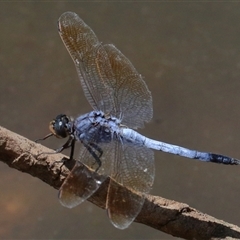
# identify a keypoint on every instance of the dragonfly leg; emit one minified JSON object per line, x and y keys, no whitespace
{"x":70,"y":143}
{"x":96,"y":147}
{"x":44,"y":138}
{"x":92,"y":148}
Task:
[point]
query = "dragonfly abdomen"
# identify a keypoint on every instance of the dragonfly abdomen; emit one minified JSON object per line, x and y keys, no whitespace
{"x":136,"y":138}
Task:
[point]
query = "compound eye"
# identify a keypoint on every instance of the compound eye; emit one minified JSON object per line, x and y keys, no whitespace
{"x":52,"y":127}
{"x":60,"y":126}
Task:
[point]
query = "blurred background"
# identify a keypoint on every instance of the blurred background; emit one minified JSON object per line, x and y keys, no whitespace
{"x":189,"y":55}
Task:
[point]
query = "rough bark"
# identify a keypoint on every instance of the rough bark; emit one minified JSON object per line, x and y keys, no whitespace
{"x":175,"y":218}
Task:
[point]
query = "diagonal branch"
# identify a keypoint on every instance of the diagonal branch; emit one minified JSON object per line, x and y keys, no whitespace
{"x":177,"y":219}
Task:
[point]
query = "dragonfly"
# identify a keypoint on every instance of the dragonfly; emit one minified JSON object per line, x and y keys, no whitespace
{"x":110,"y":144}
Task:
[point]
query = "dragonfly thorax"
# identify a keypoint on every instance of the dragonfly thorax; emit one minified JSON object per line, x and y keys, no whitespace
{"x":96,"y":127}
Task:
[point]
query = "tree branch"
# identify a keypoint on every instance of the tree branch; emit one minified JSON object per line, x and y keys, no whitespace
{"x":177,"y":219}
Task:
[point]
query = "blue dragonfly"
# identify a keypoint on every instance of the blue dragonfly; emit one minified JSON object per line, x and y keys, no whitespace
{"x":110,"y":145}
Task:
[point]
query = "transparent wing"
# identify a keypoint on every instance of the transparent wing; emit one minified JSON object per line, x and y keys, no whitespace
{"x":80,"y":184}
{"x":90,"y":59}
{"x":109,"y":80}
{"x":106,"y":152}
{"x":131,"y":94}
{"x":134,"y":169}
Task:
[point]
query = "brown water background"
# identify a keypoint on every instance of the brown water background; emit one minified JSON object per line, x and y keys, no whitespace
{"x":189,"y":55}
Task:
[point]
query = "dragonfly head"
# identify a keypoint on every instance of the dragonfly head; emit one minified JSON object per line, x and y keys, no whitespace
{"x":61,"y":126}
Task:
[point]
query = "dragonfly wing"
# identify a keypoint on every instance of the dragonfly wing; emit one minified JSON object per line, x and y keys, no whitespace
{"x":131,"y":94}
{"x":134,"y":169}
{"x":90,"y":59}
{"x":122,"y":205}
{"x":109,"y":80}
{"x":106,"y":152}
{"x":80,"y":184}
